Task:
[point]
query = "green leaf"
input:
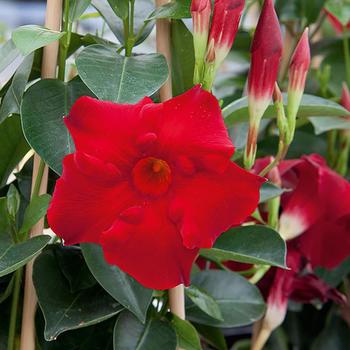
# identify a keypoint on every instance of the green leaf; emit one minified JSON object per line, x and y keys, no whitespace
{"x":42,"y":122}
{"x":254,"y":244}
{"x":13,"y":146}
{"x":122,"y":287}
{"x":334,"y":277}
{"x":121,"y":79}
{"x":187,"y":336}
{"x":176,"y":9}
{"x":240,"y":302}
{"x":268,"y":191}
{"x":182,"y":57}
{"x":204,"y":301}
{"x":311,"y":106}
{"x":130,"y":334}
{"x":31,"y":37}
{"x":13,"y":201}
{"x":10,"y":104}
{"x":6,"y":240}
{"x":36,"y":209}
{"x":142,"y":10}
{"x":17,"y":255}
{"x":212,"y":335}
{"x":8,"y":53}
{"x":324,"y":124}
{"x":120,"y":7}
{"x":340,"y":9}
{"x":335,"y":335}
{"x":77,"y":8}
{"x":62,"y":309}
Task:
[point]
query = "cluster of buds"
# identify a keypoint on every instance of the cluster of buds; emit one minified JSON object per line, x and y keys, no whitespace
{"x":267,"y":50}
{"x":212,"y":48}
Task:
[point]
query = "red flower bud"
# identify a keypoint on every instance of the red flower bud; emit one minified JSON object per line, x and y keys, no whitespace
{"x":201,"y":11}
{"x":300,"y":63}
{"x":224,"y":27}
{"x":266,"y":55}
{"x":299,"y":66}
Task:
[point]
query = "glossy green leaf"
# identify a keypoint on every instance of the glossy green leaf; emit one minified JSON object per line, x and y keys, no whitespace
{"x":120,"y":7}
{"x":121,"y":79}
{"x":176,"y":9}
{"x":269,"y":191}
{"x":31,"y":37}
{"x":17,"y":255}
{"x":204,"y":301}
{"x":311,"y":106}
{"x":340,"y":9}
{"x":254,"y":244}
{"x":36,"y":209}
{"x":182,"y":57}
{"x":324,"y":124}
{"x":187,"y":336}
{"x":122,"y":287}
{"x":335,"y":335}
{"x":43,"y":122}
{"x":240,"y":302}
{"x":8,"y":53}
{"x":131,"y":334}
{"x":77,"y":8}
{"x":62,"y":309}
{"x":13,"y":201}
{"x":11,"y":102}
{"x":141,"y":29}
{"x":13,"y":146}
{"x":212,"y":336}
{"x":334,"y":277}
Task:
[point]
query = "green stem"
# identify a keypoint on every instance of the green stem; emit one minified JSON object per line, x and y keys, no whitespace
{"x":64,"y":43}
{"x":39,"y":178}
{"x":346,"y":55}
{"x":14,"y":310}
{"x":331,"y":143}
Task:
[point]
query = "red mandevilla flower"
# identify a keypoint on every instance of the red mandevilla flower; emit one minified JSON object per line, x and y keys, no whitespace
{"x":312,"y":214}
{"x":266,"y":55}
{"x":152,"y":183}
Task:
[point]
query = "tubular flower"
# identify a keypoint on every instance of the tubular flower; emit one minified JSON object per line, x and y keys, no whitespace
{"x":345,"y":97}
{"x":266,"y":55}
{"x":299,"y":284}
{"x":298,"y":69}
{"x":224,"y":27}
{"x":312,"y":213}
{"x":151,"y":183}
{"x":200,"y":11}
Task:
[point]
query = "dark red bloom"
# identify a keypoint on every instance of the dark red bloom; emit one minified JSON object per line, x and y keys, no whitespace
{"x":316,"y":212}
{"x":152,"y":183}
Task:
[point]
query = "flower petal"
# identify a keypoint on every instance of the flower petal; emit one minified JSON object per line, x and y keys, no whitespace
{"x":191,"y":125}
{"x":150,"y":250}
{"x":87,"y":199}
{"x":207,"y":204}
{"x":104,"y":129}
{"x":327,"y":243}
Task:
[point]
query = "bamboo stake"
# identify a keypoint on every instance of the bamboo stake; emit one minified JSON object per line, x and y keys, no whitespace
{"x":176,"y":294}
{"x":48,"y":70}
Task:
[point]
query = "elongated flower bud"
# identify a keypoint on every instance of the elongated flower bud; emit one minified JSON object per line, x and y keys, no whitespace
{"x":224,"y":27}
{"x":345,"y":97}
{"x":299,"y":66}
{"x":266,"y":55}
{"x":335,"y":23}
{"x":200,"y":10}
